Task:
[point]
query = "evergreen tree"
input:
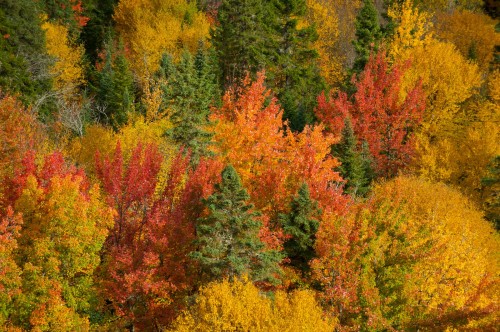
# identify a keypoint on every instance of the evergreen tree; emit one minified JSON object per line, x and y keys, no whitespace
{"x":228,"y":243}
{"x":115,"y":89}
{"x":301,"y":224}
{"x":24,"y":63}
{"x":99,"y":27}
{"x":356,"y":165}
{"x":255,"y":35}
{"x":243,"y":39}
{"x":189,"y":92}
{"x":368,"y":34}
{"x":296,"y":78}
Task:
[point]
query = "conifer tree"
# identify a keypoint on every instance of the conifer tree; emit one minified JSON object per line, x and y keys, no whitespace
{"x":24,"y":63}
{"x":356,"y":165}
{"x":368,"y":34}
{"x":296,"y":77}
{"x":228,"y":243}
{"x":188,"y":93}
{"x":301,"y":223}
{"x":115,"y":89}
{"x":243,"y":38}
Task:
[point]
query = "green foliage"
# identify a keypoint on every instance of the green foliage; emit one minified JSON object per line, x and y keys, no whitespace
{"x":255,"y":35}
{"x":368,"y":34}
{"x":24,"y":63}
{"x":296,"y":77}
{"x":243,"y":40}
{"x":356,"y":165}
{"x":228,"y":237}
{"x":99,"y":27}
{"x":189,"y":91}
{"x":114,"y":88}
{"x":301,"y":223}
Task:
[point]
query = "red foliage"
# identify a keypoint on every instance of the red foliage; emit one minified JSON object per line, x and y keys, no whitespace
{"x":147,"y":269}
{"x":53,"y":165}
{"x":379,"y":115}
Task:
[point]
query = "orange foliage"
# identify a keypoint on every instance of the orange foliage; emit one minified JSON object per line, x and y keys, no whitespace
{"x":273,"y":161}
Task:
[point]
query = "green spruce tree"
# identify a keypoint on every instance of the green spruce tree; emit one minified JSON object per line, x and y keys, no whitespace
{"x":296,"y":78}
{"x":355,"y":164}
{"x":243,"y":39}
{"x":301,"y":223}
{"x":368,"y":35}
{"x":24,"y":62}
{"x":189,"y":91}
{"x":115,"y":88}
{"x":228,"y":242}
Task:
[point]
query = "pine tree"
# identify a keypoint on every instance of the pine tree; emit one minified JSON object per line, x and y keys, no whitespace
{"x":301,"y":223}
{"x":296,"y":78}
{"x":243,"y":39}
{"x":115,"y":89}
{"x":228,"y":237}
{"x":98,"y":27}
{"x":356,"y":165}
{"x":189,"y":92}
{"x":24,"y":63}
{"x":368,"y":34}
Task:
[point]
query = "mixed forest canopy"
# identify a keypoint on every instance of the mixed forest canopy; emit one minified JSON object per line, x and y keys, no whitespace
{"x":249,"y":165}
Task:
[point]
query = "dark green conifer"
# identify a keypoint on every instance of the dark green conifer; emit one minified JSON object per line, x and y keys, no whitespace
{"x":356,"y":167}
{"x":296,"y":78}
{"x":189,"y":91}
{"x":115,"y":88}
{"x":228,"y":242}
{"x":243,"y":39}
{"x":24,"y":63}
{"x":368,"y":34}
{"x":301,"y":223}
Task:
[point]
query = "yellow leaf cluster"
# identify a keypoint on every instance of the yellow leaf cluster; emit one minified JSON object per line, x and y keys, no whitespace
{"x":150,"y":28}
{"x":472,"y":33}
{"x":240,"y":306}
{"x":103,"y":139}
{"x":447,"y":78}
{"x":459,"y":272}
{"x":412,"y":28}
{"x":322,"y":14}
{"x":68,"y":67}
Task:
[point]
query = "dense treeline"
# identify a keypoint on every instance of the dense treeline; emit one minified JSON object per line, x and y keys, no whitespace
{"x":218,"y":165}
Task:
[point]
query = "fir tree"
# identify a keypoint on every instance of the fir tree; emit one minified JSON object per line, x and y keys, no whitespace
{"x":243,"y":39}
{"x":368,"y":34}
{"x":228,"y":237}
{"x":301,"y":224}
{"x":189,"y":92}
{"x":24,"y":63}
{"x":115,"y":89}
{"x":356,"y":165}
{"x":296,"y":78}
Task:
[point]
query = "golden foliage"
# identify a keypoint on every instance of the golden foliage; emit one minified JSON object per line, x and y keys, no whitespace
{"x":323,"y":15}
{"x":150,"y":28}
{"x":104,"y":139}
{"x":458,"y":275}
{"x":240,"y":306}
{"x":472,"y":33}
{"x":68,"y":66}
{"x":412,"y":30}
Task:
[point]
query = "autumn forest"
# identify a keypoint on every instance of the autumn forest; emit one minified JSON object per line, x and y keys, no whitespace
{"x":249,"y":165}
